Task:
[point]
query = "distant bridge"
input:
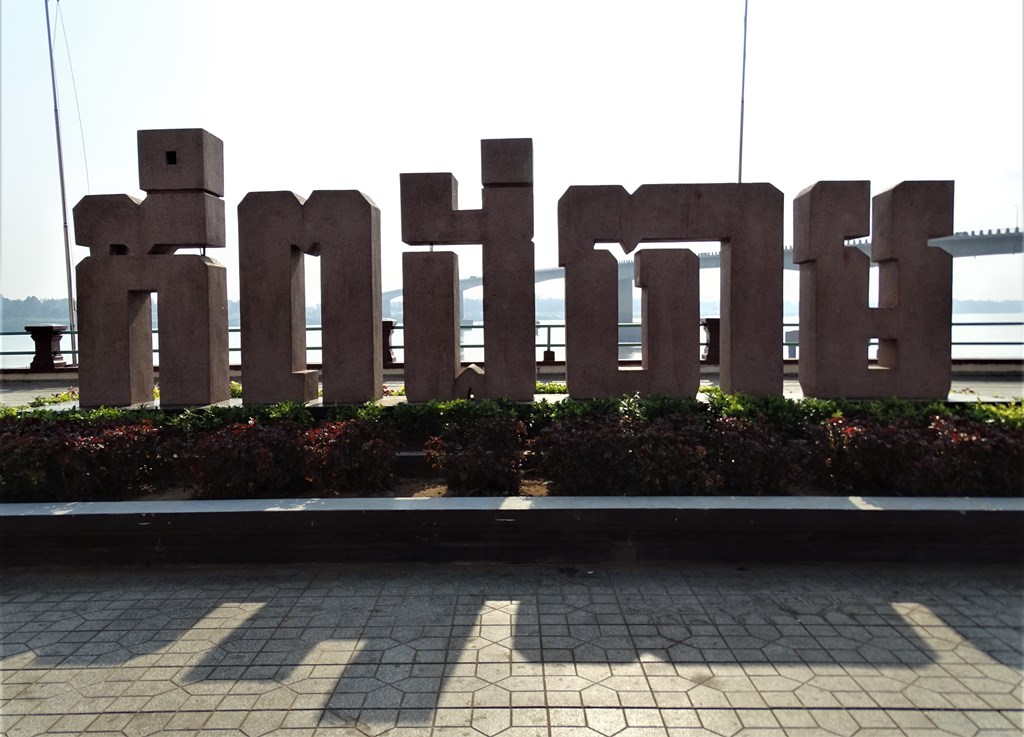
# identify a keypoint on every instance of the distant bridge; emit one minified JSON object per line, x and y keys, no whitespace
{"x":959,"y":245}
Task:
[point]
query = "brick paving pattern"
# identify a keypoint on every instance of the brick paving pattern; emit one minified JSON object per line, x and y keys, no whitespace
{"x":452,"y":651}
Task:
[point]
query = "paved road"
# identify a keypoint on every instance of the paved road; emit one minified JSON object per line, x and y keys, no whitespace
{"x":447,"y":651}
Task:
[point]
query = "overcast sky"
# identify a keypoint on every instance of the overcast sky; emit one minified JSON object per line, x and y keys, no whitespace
{"x":346,"y":95}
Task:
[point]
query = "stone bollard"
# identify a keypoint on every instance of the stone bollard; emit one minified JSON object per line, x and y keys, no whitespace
{"x":712,"y":328}
{"x":47,"y":342}
{"x":792,"y":341}
{"x":387,"y":329}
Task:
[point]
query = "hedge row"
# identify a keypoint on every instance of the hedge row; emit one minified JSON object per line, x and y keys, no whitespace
{"x":56,"y":460}
{"x":730,"y":444}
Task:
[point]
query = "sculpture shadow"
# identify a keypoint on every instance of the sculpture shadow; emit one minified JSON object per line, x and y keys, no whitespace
{"x":372,"y":650}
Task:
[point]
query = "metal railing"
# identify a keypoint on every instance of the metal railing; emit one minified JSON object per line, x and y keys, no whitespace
{"x":546,"y":337}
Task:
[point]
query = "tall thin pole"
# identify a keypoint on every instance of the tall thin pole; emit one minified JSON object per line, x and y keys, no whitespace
{"x":743,"y":88}
{"x":63,"y":192}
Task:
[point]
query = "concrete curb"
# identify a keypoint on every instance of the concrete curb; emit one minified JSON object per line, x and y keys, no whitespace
{"x":579,"y":529}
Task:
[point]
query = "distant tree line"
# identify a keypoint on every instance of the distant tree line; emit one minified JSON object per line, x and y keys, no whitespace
{"x":15,"y":314}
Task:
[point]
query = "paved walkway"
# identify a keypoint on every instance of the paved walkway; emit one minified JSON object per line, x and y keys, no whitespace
{"x":448,"y":651}
{"x":963,"y":389}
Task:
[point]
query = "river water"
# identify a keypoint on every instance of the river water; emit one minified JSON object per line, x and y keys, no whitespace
{"x":1003,"y":327}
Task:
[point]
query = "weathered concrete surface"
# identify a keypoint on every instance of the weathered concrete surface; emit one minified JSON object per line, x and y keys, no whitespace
{"x":115,"y":324}
{"x":431,"y":325}
{"x":343,"y":229}
{"x":504,"y":229}
{"x":915,"y":300}
{"x":746,"y":218}
{"x":182,"y":171}
{"x":131,"y":245}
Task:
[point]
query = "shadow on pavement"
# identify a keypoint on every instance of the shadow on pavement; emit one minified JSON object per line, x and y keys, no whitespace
{"x":375,"y":646}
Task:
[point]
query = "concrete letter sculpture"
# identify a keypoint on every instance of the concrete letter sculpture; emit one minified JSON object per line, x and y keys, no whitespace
{"x":914,"y":313}
{"x":504,"y":228}
{"x":132,"y":245}
{"x":274,"y":230}
{"x":746,"y":218}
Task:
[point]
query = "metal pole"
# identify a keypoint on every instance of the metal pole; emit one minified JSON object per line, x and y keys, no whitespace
{"x":63,"y":194}
{"x":743,"y":88}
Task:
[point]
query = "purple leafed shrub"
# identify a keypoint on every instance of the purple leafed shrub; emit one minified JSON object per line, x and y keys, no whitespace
{"x":871,"y":457}
{"x":609,"y":447}
{"x":981,"y":459}
{"x":352,"y":455}
{"x":614,"y":454}
{"x":948,"y":457}
{"x":26,"y":459}
{"x":115,"y":461}
{"x":482,"y":456}
{"x":69,"y":461}
{"x":671,"y":457}
{"x":588,"y":455}
{"x":749,"y":457}
{"x":248,"y":460}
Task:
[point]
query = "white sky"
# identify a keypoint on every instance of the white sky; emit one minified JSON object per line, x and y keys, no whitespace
{"x":345,"y":95}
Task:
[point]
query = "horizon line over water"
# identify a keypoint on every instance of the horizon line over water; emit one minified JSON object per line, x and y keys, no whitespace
{"x":15,"y":314}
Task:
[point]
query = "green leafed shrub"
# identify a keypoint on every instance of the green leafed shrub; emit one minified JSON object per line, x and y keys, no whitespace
{"x":551,"y":387}
{"x":895,"y":411}
{"x":656,"y":407}
{"x":788,"y":417}
{"x":1010,"y":415}
{"x":70,"y":395}
{"x":418,"y":422}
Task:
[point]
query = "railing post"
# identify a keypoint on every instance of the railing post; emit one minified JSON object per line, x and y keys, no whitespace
{"x":549,"y":354}
{"x":792,"y":342}
{"x":47,"y":344}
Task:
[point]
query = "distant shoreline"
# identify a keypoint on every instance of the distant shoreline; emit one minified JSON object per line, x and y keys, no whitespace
{"x":15,"y":314}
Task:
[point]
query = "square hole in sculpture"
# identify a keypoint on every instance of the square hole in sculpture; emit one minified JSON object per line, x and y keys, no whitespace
{"x":630,"y":299}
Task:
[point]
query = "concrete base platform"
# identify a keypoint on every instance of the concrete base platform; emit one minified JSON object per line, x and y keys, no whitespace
{"x":582,"y":529}
{"x":973,"y":381}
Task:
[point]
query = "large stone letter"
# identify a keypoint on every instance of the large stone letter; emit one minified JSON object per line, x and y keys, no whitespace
{"x":504,"y":228}
{"x":274,"y":230}
{"x":131,"y":256}
{"x":746,"y":218}
{"x":914,"y":314}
